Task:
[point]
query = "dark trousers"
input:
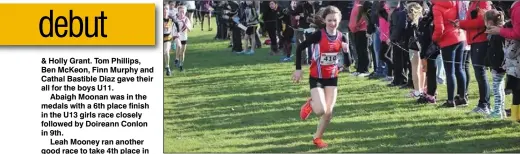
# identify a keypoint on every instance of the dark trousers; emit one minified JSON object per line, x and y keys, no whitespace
{"x":478,"y":54}
{"x":467,"y":54}
{"x":286,"y":40}
{"x":373,"y":57}
{"x":384,"y":55}
{"x":361,"y":44}
{"x":431,"y":74}
{"x":237,"y":39}
{"x":222,"y":30}
{"x":257,"y":39}
{"x":271,"y":31}
{"x":408,"y":69}
{"x":400,"y":63}
{"x":453,"y":64}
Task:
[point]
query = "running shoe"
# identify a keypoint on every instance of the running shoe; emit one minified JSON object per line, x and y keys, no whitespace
{"x":371,"y":74}
{"x":449,"y":104}
{"x":480,"y":110}
{"x":240,"y":52}
{"x":306,"y":110}
{"x":181,"y":69}
{"x":497,"y":115}
{"x":250,"y":52}
{"x":414,"y":94}
{"x":176,"y":63}
{"x":168,"y":72}
{"x":388,"y":79}
{"x":286,"y":59}
{"x":426,"y":99}
{"x":363,"y":74}
{"x":461,"y":101}
{"x":320,"y":143}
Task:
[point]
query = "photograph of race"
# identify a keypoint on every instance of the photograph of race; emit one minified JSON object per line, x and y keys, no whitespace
{"x":341,"y":76}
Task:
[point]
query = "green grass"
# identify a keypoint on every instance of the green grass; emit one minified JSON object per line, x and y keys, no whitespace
{"x":238,"y":103}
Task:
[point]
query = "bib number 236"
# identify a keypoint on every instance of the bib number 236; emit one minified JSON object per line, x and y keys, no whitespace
{"x":329,"y":58}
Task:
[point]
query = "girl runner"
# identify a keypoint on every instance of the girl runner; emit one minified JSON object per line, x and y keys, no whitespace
{"x":167,"y":39}
{"x":323,"y":80}
{"x":184,"y":27}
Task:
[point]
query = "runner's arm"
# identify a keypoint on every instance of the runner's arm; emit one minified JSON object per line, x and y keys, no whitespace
{"x":314,"y":38}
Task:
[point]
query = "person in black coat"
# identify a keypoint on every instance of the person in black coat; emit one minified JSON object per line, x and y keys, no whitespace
{"x":222,"y":24}
{"x":272,"y":26}
{"x":400,"y":56}
{"x":233,"y":11}
{"x":304,"y":13}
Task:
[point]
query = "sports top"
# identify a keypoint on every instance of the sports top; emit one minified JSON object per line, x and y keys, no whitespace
{"x":325,"y":54}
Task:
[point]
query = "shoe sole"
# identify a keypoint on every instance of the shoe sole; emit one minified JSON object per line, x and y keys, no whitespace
{"x":302,"y":109}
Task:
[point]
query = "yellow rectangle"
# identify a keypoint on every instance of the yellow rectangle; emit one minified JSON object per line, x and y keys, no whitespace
{"x":123,"y":24}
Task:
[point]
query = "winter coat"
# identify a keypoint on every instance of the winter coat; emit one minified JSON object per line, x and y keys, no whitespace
{"x":475,"y":28}
{"x":445,"y":33}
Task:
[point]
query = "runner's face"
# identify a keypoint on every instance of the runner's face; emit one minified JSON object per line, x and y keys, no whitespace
{"x":331,"y":20}
{"x":272,"y":5}
{"x":181,"y":11}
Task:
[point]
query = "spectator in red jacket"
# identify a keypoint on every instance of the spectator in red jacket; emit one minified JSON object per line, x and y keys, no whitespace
{"x":450,"y":40}
{"x":477,"y":39}
{"x":358,"y":27}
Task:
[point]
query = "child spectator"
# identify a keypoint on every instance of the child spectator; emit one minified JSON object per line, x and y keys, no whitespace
{"x":250,"y":17}
{"x":496,"y":59}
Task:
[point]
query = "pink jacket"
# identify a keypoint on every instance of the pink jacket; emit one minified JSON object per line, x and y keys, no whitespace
{"x":353,"y":24}
{"x":384,"y":27}
{"x":513,"y":33}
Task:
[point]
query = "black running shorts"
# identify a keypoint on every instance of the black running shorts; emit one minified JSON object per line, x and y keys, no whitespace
{"x":322,"y":83}
{"x":251,"y":30}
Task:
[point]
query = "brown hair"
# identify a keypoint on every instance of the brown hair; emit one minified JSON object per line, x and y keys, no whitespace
{"x":319,"y":18}
{"x":496,"y":16}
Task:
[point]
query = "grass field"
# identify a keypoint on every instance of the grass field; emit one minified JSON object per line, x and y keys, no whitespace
{"x":238,"y":103}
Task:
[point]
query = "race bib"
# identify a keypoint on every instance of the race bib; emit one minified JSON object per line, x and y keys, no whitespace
{"x":329,"y":58}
